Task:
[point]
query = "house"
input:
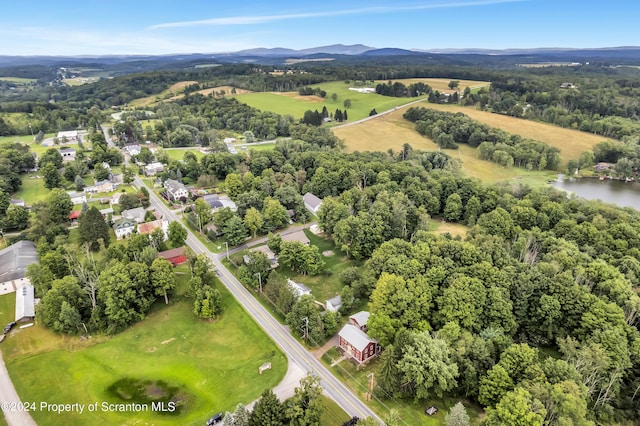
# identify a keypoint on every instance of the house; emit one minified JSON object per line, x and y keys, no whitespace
{"x":298,"y":288}
{"x":176,"y":256}
{"x":69,"y":135}
{"x":149,"y":227}
{"x":229,"y":140}
{"x":132,"y":149}
{"x":567,"y":85}
{"x":153,"y":169}
{"x":77,"y":197}
{"x":269,"y":253}
{"x":115,"y":199}
{"x":312,"y":203}
{"x":298,"y":236}
{"x":175,"y":190}
{"x":603,"y":167}
{"x":123,"y":228}
{"x":25,"y":302}
{"x":333,"y":304}
{"x":360,"y":320}
{"x":211,"y":227}
{"x":17,"y":202}
{"x":100,"y":187}
{"x":14,"y":260}
{"x":137,"y":215}
{"x":75,"y":215}
{"x":68,"y":154}
{"x":218,"y":202}
{"x":355,"y":343}
{"x":106,"y":212}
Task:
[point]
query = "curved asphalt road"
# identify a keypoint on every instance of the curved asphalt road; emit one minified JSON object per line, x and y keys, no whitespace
{"x":295,"y":352}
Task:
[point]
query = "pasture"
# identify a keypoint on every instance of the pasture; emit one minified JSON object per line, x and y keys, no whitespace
{"x":210,"y":366}
{"x":18,"y":80}
{"x":440,"y":84}
{"x":173,"y":90}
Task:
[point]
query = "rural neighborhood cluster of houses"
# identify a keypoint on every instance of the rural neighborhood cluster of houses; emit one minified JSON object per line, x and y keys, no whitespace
{"x":353,"y":341}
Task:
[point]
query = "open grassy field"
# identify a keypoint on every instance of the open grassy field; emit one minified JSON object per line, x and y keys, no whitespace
{"x":441,"y":84}
{"x":31,"y":190}
{"x":293,"y":104}
{"x":18,"y":80}
{"x":178,"y":153}
{"x":570,"y":142}
{"x":214,"y":90}
{"x":440,"y":226}
{"x":392,"y":131}
{"x":173,"y":90}
{"x":213,"y":364}
{"x":79,"y":81}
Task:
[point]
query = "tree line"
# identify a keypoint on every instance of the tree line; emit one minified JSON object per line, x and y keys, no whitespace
{"x":449,"y":129}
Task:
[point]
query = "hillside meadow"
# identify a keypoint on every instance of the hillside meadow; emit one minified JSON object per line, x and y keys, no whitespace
{"x":391,"y":131}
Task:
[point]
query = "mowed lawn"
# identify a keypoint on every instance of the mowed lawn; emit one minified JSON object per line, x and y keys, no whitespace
{"x":177,"y":154}
{"x":392,"y":131}
{"x":215,"y":365}
{"x":31,"y":190}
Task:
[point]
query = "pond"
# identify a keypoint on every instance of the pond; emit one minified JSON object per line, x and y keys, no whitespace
{"x":623,"y":194}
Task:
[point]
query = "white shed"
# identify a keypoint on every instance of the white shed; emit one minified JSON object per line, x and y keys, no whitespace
{"x":25,"y":303}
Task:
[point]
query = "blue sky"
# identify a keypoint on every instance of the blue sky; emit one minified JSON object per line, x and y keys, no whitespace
{"x":98,"y":27}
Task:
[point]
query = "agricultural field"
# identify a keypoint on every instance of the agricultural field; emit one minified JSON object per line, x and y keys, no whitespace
{"x":79,"y":81}
{"x":391,"y":131}
{"x":18,"y":80}
{"x":440,"y":84}
{"x":291,"y":103}
{"x":166,"y":94}
{"x":170,"y":352}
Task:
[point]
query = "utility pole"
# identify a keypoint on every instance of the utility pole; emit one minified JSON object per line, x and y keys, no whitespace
{"x":305,"y":328}
{"x":371,"y":377}
{"x":259,"y":280}
{"x":227,"y":245}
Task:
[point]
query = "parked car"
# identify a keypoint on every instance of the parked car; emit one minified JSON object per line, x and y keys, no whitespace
{"x":431,"y":410}
{"x":215,"y":419}
{"x":8,"y":327}
{"x":351,"y":422}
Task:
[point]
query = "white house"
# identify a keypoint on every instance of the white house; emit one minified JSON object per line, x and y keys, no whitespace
{"x":175,"y":190}
{"x":153,"y":169}
{"x":298,"y":288}
{"x":333,"y":304}
{"x":132,"y":149}
{"x":77,"y":197}
{"x":312,"y":203}
{"x":68,"y":154}
{"x":17,"y":202}
{"x":25,"y":302}
{"x":137,"y":214}
{"x":124,"y":227}
{"x":69,"y":135}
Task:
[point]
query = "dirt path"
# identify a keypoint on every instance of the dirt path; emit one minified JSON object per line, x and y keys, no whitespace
{"x":9,"y":399}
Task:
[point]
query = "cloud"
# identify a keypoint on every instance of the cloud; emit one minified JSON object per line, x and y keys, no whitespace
{"x":251,"y":20}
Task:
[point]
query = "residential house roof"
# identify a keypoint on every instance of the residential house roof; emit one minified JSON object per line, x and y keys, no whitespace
{"x":266,"y":250}
{"x":174,"y":185}
{"x":299,"y":288}
{"x":217,"y":201}
{"x":75,"y":214}
{"x":104,"y":182}
{"x":67,"y":151}
{"x":17,"y":201}
{"x":311,"y":200}
{"x":137,"y":214}
{"x":149,"y":227}
{"x":67,"y":134}
{"x":356,"y":337}
{"x":298,"y":236}
{"x":25,"y":302}
{"x":123,"y":224}
{"x":361,"y":318}
{"x":15,"y":259}
{"x":106,"y":211}
{"x":335,"y":302}
{"x":168,"y":254}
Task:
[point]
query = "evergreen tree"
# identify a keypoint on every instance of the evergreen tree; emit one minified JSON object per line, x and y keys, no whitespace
{"x":268,"y":411}
{"x":92,"y":228}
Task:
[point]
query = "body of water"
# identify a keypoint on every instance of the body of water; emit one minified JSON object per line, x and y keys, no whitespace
{"x":623,"y":194}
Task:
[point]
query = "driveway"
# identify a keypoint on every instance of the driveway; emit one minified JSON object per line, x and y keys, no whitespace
{"x":10,"y":402}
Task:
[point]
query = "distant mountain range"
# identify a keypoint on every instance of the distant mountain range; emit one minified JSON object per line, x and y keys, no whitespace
{"x":335,"y":51}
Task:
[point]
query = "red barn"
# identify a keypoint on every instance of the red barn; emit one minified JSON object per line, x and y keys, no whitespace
{"x":175,"y":256}
{"x":355,"y":343}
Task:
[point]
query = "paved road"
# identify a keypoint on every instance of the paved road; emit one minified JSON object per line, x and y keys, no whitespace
{"x":9,"y":395}
{"x":295,"y":352}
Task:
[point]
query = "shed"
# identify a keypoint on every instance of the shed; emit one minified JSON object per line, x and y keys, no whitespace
{"x":176,"y":256}
{"x":333,"y":304}
{"x":25,"y":302}
{"x":298,"y":288}
{"x":360,"y":320}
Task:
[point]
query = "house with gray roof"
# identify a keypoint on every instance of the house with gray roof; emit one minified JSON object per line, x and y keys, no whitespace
{"x":15,"y":259}
{"x":360,"y":320}
{"x":218,"y":202}
{"x":312,"y":203}
{"x":333,"y":304}
{"x":124,"y":227}
{"x":298,"y":288}
{"x":355,"y":343}
{"x":175,"y":190}
{"x":137,"y":214}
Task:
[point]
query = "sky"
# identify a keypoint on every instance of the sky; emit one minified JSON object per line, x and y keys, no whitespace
{"x":103,"y":27}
